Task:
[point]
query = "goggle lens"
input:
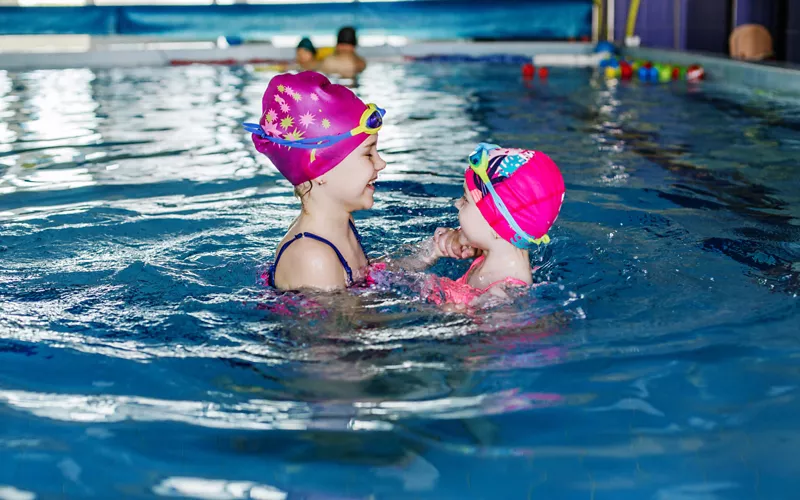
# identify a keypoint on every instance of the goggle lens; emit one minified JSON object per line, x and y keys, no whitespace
{"x":375,"y":120}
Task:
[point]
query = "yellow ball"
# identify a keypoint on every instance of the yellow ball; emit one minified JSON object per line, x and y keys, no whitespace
{"x":324,"y":52}
{"x":612,"y":72}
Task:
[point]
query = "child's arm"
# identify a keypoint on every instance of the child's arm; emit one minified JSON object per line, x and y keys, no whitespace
{"x":444,"y":243}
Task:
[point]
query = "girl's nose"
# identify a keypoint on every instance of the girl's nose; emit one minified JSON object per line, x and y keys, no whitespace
{"x":380,"y":164}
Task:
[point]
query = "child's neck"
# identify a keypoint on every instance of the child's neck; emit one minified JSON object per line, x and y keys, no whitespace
{"x":504,"y":261}
{"x":325,"y":220}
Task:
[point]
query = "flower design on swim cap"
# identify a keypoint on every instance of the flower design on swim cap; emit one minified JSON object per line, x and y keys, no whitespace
{"x":307,"y":119}
{"x":272,"y":128}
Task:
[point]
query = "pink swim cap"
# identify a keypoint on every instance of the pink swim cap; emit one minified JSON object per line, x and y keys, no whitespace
{"x":304,"y":106}
{"x":529,"y":184}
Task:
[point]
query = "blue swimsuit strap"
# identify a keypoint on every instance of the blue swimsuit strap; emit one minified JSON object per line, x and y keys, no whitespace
{"x":358,"y":238}
{"x":274,"y":265}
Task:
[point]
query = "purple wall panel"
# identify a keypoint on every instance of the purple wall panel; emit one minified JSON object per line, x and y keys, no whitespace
{"x":705,"y":25}
{"x":793,"y":32}
{"x":655,"y":24}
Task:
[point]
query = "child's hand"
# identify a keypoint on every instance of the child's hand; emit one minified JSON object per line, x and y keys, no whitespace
{"x":452,"y":243}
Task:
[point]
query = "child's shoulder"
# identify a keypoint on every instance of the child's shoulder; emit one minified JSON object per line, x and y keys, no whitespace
{"x":307,"y":262}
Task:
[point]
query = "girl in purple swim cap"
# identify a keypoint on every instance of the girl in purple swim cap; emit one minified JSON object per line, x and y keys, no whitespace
{"x":324,"y":140}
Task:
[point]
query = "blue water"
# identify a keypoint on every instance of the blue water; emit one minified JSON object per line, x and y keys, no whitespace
{"x":139,"y":356}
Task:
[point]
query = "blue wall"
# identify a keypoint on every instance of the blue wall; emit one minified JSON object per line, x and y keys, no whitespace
{"x":434,"y":19}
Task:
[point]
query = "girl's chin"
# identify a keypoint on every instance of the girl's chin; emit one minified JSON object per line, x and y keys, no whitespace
{"x":369,"y":202}
{"x":365,"y":202}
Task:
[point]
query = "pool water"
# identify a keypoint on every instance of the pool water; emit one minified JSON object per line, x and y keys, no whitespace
{"x":658,"y":356}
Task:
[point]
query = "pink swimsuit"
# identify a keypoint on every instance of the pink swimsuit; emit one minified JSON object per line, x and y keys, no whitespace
{"x":444,"y":290}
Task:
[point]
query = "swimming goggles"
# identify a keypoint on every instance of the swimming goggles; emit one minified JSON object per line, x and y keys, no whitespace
{"x":479,"y":163}
{"x":370,"y":123}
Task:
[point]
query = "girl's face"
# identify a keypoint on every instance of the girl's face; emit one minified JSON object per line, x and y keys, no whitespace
{"x":303,"y":56}
{"x":351,"y":183}
{"x":473,"y":225}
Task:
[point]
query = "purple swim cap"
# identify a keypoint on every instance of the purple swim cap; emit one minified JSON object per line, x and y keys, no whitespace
{"x":305,"y":106}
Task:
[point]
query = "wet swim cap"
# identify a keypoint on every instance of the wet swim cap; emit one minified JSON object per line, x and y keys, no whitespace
{"x":304,"y":106}
{"x":347,"y":35}
{"x":528,"y":183}
{"x":306,"y":44}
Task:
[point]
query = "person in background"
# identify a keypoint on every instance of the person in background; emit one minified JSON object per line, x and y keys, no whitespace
{"x":306,"y":55}
{"x":344,"y":61}
{"x":751,"y":42}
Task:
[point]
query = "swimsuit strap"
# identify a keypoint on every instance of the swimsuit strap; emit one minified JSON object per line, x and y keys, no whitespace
{"x":358,"y":238}
{"x":479,"y":261}
{"x":475,"y":263}
{"x":510,"y":281}
{"x":274,"y":266}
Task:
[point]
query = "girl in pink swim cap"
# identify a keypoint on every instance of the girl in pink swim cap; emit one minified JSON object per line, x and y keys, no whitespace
{"x":324,"y":140}
{"x":511,"y":199}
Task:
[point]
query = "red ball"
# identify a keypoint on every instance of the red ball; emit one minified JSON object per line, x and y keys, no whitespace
{"x":543,"y":72}
{"x":648,"y":65}
{"x":695,"y":73}
{"x":528,"y":70}
{"x":676,"y":73}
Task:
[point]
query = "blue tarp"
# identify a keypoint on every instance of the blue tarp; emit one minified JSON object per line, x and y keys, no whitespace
{"x":436,"y":19}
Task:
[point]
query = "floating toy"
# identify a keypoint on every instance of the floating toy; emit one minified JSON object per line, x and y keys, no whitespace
{"x":613,"y":67}
{"x":605,"y":50}
{"x":543,"y":73}
{"x":695,"y":73}
{"x":528,"y":71}
{"x":626,"y":71}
